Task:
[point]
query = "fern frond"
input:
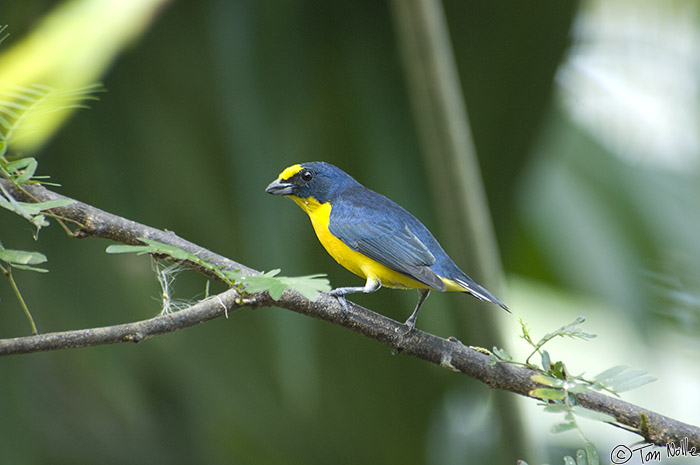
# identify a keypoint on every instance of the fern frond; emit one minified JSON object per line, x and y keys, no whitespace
{"x":28,"y":111}
{"x":3,"y":35}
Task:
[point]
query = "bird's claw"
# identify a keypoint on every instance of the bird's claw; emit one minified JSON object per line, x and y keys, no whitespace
{"x":342,"y":301}
{"x":410,"y":325}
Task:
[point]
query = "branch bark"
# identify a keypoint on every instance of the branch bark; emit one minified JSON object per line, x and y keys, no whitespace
{"x":448,"y":353}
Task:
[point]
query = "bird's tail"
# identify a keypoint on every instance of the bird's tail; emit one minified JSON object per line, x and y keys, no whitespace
{"x":478,"y":291}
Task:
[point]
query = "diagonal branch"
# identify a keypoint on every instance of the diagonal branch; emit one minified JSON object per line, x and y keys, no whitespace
{"x":448,"y":353}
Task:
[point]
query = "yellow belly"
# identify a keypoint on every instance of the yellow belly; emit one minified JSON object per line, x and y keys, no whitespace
{"x":353,"y":261}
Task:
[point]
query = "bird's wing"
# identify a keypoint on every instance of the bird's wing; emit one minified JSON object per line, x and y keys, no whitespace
{"x":384,"y":238}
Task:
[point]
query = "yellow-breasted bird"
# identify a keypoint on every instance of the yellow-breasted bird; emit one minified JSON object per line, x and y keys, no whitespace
{"x":372,"y":236}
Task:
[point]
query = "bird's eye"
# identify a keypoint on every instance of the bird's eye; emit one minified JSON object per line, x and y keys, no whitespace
{"x":306,"y":175}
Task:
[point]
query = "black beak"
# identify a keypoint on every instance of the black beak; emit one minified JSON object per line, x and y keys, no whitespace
{"x":278,"y":187}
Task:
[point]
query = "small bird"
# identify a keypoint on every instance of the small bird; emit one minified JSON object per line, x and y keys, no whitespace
{"x":372,"y":236}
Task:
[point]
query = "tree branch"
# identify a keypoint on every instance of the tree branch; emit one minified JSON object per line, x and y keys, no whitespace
{"x":208,"y":309}
{"x":448,"y":353}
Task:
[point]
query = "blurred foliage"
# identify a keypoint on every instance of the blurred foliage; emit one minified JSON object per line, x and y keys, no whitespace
{"x":629,"y":229}
{"x":53,"y":68}
{"x":200,"y":114}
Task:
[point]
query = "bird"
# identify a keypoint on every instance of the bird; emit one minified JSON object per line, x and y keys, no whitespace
{"x":372,"y":236}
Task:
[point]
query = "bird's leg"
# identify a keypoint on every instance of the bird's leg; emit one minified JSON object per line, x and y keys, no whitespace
{"x":411,"y":322}
{"x":340,"y":292}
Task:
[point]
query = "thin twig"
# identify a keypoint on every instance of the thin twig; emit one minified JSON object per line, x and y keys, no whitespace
{"x":8,"y":272}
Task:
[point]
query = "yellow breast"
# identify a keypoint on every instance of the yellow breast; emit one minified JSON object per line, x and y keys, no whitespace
{"x":355,"y":262}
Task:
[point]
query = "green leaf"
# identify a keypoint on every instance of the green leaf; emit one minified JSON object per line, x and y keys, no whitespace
{"x":635,"y":383}
{"x":558,"y":370}
{"x":36,"y":208}
{"x":274,"y":287}
{"x":557,"y":408}
{"x":22,"y":170}
{"x":621,"y":378}
{"x":501,"y":354}
{"x":592,"y":454}
{"x":524,"y":327}
{"x":561,"y":427}
{"x":3,"y":35}
{"x":271,"y":273}
{"x":592,"y":415}
{"x":581,"y":458}
{"x":30,"y":211}
{"x":156,"y":248}
{"x":30,"y":268}
{"x":610,"y":373}
{"x":546,"y":361}
{"x":122,"y":248}
{"x":174,"y":252}
{"x":547,"y":380}
{"x":579,"y":388}
{"x":548,"y":394}
{"x":569,"y":330}
{"x":21,"y":257}
{"x":28,"y":111}
{"x":308,"y":286}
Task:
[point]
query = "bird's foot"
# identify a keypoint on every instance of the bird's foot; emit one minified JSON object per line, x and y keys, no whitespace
{"x":402,"y":332}
{"x":341,"y":299}
{"x":410,"y":324}
{"x":345,"y":310}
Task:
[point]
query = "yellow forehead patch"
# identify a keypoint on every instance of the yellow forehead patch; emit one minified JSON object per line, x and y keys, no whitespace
{"x":289,"y":172}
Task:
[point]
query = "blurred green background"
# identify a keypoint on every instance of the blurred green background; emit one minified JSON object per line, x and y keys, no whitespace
{"x":585,"y":120}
